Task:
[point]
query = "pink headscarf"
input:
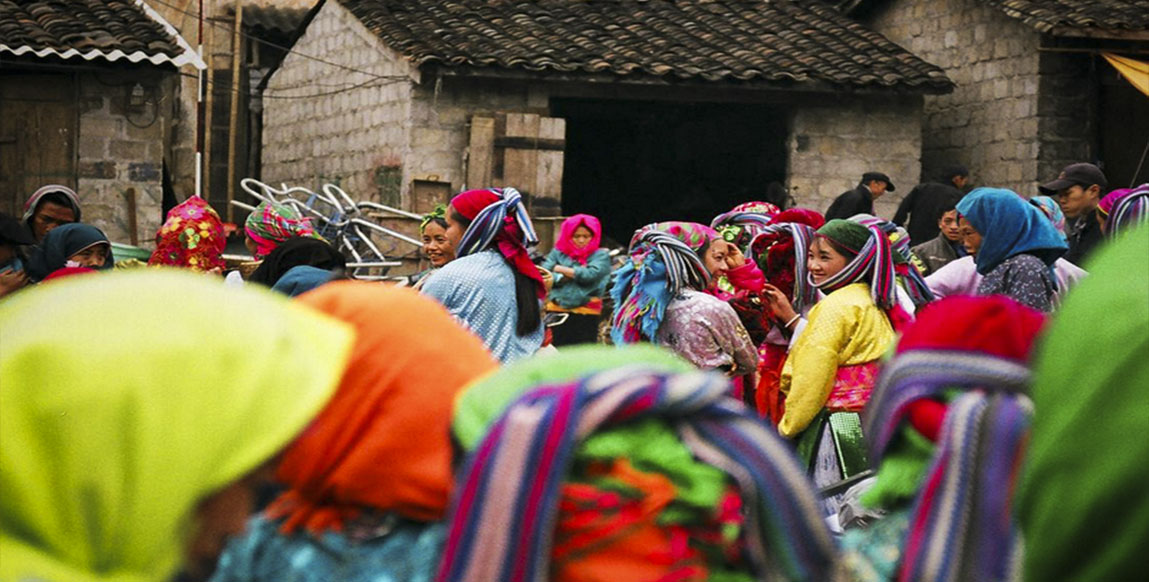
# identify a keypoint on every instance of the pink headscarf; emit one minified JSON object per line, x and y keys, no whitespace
{"x":566,"y":245}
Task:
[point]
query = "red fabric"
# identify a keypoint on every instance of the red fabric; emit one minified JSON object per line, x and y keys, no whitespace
{"x":996,"y":325}
{"x":68,"y":272}
{"x":811,"y":218}
{"x":508,"y":241}
{"x":748,"y":277}
{"x":383,"y":440}
{"x":926,"y":416}
{"x":768,"y":396}
{"x":566,"y":246}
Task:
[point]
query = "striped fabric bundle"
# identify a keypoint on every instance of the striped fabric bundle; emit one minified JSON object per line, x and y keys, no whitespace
{"x":664,"y":259}
{"x":744,"y":222}
{"x":873,"y":264}
{"x":904,"y":265}
{"x":1129,"y":211}
{"x":506,"y":504}
{"x":805,"y":293}
{"x":490,"y":221}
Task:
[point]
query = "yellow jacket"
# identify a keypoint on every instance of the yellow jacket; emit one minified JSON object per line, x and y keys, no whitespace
{"x":845,"y":329}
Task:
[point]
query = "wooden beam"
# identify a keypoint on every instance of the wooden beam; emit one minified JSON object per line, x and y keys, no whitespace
{"x":233,"y":118}
{"x":480,"y":152}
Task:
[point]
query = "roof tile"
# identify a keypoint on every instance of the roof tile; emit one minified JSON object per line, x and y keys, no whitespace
{"x":82,"y":25}
{"x":1045,"y":15}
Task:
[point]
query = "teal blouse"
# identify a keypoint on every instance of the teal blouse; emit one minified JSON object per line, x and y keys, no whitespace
{"x":589,"y":280}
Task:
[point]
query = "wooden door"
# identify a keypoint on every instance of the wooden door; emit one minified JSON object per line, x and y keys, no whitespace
{"x":38,"y":129}
{"x":523,"y":151}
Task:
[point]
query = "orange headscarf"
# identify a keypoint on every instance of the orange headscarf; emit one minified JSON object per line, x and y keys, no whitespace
{"x":382,"y":442}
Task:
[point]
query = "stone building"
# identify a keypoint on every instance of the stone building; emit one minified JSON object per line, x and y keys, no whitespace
{"x":1033,"y":92}
{"x":86,"y":100}
{"x":633,"y":110}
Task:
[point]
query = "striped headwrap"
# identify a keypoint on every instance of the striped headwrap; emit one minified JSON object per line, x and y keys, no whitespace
{"x":976,"y":348}
{"x":499,"y":220}
{"x":743,"y":222}
{"x":904,"y":265}
{"x":665,"y":258}
{"x":805,"y":293}
{"x":872,"y":264}
{"x":1128,"y":211}
{"x":506,"y":505}
{"x":272,"y":223}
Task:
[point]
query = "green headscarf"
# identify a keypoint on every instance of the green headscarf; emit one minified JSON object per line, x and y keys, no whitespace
{"x":846,"y":233}
{"x":1082,"y":502}
{"x":126,"y":399}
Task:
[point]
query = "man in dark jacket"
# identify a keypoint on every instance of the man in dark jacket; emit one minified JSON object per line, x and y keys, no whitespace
{"x":860,"y":200}
{"x":924,"y":204}
{"x":1077,"y":190}
{"x":947,"y":245}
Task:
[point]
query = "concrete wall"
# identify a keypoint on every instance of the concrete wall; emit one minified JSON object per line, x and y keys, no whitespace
{"x":991,"y":121}
{"x":323,"y":123}
{"x":121,"y":149}
{"x":832,"y":145}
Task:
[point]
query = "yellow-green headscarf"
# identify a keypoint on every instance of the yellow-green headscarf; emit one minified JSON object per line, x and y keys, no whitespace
{"x":127,"y":398}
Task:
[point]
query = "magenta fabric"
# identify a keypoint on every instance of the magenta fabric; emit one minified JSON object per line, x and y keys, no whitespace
{"x":566,"y":246}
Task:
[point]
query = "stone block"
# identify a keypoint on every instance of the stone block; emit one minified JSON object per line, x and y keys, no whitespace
{"x":128,"y":151}
{"x":97,"y":170}
{"x":144,"y":172}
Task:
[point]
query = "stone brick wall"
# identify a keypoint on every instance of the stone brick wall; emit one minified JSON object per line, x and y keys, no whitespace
{"x":992,"y":120}
{"x":832,"y":145}
{"x":323,"y":123}
{"x":1067,"y":124}
{"x":121,"y":148}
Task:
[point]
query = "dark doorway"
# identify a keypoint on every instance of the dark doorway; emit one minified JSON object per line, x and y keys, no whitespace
{"x":1124,"y":130}
{"x":632,"y":163}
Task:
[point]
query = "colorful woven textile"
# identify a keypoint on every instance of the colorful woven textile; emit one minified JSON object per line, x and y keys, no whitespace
{"x":780,"y":251}
{"x":873,"y":264}
{"x":743,"y":222}
{"x":665,"y":258}
{"x":192,"y":238}
{"x":565,"y":243}
{"x":272,"y":223}
{"x":499,"y":220}
{"x":1128,"y":211}
{"x":1009,"y":225}
{"x":905,"y":267}
{"x":1052,"y":210}
{"x":507,"y":506}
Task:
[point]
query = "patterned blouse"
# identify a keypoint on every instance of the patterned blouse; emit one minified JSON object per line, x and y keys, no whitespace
{"x":706,"y":332}
{"x":1023,"y":278}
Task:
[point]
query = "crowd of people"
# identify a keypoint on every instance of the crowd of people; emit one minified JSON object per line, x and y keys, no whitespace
{"x":790,"y":395}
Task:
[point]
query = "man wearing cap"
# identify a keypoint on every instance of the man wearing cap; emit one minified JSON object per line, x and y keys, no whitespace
{"x":12,"y":236}
{"x":1077,"y":190}
{"x":860,"y":200}
{"x":927,"y":202}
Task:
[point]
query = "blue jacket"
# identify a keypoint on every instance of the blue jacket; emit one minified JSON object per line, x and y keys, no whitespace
{"x":589,"y":280}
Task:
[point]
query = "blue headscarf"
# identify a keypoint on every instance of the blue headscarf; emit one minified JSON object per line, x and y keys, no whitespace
{"x":1009,"y":226}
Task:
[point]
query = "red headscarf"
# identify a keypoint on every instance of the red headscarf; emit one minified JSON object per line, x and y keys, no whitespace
{"x":508,"y":236}
{"x":383,"y":441}
{"x":567,"y":247}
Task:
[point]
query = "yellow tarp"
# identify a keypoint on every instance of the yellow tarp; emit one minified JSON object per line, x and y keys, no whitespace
{"x":1134,"y":71}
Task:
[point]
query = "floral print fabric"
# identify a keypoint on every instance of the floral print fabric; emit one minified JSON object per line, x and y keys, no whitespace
{"x":192,"y":237}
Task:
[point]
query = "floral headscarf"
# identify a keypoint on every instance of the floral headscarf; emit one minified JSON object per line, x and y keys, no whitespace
{"x":665,"y":258}
{"x":743,"y":222}
{"x":192,"y":237}
{"x":272,"y":223}
{"x":566,"y":246}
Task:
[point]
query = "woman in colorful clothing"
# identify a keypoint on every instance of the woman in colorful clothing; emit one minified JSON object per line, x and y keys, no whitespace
{"x":367,"y":483}
{"x":436,"y":245}
{"x":912,"y":290}
{"x":272,"y":223}
{"x":159,"y":431}
{"x":738,"y":227}
{"x":947,"y":427}
{"x":493,"y":287}
{"x":581,"y":271}
{"x":1018,"y":246}
{"x":832,"y":367}
{"x":1123,"y":209}
{"x":70,"y":245}
{"x":191,"y":238}
{"x":660,"y":296}
{"x":601,"y":464}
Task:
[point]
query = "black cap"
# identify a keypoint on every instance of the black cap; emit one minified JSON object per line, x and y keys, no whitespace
{"x":870,"y":176}
{"x":950,"y":172}
{"x":14,"y":233}
{"x":1084,"y":175}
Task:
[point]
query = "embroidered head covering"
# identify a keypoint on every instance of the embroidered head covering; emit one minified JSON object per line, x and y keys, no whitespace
{"x":438,"y":216}
{"x":382,"y":442}
{"x":959,"y":378}
{"x":1128,"y":210}
{"x":780,"y":251}
{"x":743,"y":222}
{"x":499,"y":220}
{"x":522,"y":502}
{"x":295,"y":252}
{"x":1009,"y":226}
{"x":33,"y":202}
{"x":60,"y":244}
{"x":1052,"y":210}
{"x":904,"y":266}
{"x":161,"y":412}
{"x":567,"y":247}
{"x":665,"y":258}
{"x":272,"y":223}
{"x":192,"y":237}
{"x":1082,"y":502}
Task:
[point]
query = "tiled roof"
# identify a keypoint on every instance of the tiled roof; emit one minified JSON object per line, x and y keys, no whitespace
{"x":272,"y":17}
{"x":773,"y":42}
{"x":1046,"y":15}
{"x":91,"y":29}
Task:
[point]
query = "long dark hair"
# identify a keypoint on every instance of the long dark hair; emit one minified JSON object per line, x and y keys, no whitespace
{"x":526,"y":295}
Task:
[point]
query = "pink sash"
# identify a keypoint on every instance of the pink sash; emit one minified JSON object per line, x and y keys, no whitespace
{"x":852,"y":387}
